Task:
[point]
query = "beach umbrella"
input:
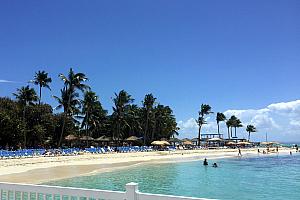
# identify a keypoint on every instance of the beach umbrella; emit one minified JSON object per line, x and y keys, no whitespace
{"x":132,"y":138}
{"x":187,"y":143}
{"x":103,"y":138}
{"x":86,"y":138}
{"x":71,"y":137}
{"x":231,"y":143}
{"x":160,"y":143}
{"x":269,"y":143}
{"x":215,"y":140}
{"x":243,"y":143}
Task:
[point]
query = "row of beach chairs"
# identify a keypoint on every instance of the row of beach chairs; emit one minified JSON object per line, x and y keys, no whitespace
{"x":23,"y":153}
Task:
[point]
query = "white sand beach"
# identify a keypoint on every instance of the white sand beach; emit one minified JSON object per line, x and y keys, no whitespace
{"x":43,"y":169}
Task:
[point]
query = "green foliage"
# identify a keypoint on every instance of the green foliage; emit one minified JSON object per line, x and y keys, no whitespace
{"x":250,"y":129}
{"x":42,"y":80}
{"x":205,"y":109}
{"x":23,"y":123}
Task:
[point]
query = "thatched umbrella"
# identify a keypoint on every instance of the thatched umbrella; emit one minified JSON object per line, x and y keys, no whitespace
{"x":103,"y":138}
{"x":187,"y":142}
{"x":132,"y":139}
{"x":243,"y":143}
{"x":215,"y":140}
{"x":230,"y":143}
{"x":160,"y":143}
{"x":86,"y":138}
{"x":71,"y":137}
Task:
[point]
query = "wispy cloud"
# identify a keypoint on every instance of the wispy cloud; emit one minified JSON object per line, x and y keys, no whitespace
{"x":8,"y":81}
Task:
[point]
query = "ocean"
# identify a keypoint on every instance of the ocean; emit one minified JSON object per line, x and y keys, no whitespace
{"x":263,"y":177}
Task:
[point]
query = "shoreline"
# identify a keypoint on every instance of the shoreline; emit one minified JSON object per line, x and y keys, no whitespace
{"x":45,"y":169}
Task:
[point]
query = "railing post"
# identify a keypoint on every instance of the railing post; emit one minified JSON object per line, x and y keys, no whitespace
{"x":131,"y":191}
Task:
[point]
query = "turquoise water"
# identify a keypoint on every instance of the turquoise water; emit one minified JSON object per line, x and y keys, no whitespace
{"x":271,"y":177}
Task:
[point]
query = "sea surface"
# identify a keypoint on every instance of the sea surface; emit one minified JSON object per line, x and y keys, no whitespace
{"x":263,"y":177}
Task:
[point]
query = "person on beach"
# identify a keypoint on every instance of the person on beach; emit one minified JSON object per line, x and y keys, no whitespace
{"x":296,"y":148}
{"x":215,"y":165}
{"x":291,"y":153}
{"x":240,"y":152}
{"x":258,"y":151}
{"x":205,"y":163}
{"x":277,"y":149}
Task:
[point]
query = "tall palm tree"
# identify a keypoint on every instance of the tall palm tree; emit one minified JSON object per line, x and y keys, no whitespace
{"x":250,"y":129}
{"x":148,"y":104}
{"x":93,"y":112}
{"x":229,"y":125}
{"x":236,"y":123}
{"x":25,"y":96}
{"x":220,"y":118}
{"x":42,"y":80}
{"x":73,"y":81}
{"x":122,"y":103}
{"x":204,"y":110}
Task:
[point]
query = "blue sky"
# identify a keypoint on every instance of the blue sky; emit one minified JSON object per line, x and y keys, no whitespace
{"x":234,"y":55}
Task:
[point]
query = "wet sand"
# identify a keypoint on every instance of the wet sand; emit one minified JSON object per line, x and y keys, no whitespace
{"x":44,"y":169}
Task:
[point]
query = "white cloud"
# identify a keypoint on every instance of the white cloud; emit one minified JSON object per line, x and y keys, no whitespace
{"x":7,"y":81}
{"x":280,"y":120}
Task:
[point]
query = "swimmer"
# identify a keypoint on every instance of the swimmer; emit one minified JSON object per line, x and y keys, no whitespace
{"x":205,"y":163}
{"x":215,"y":165}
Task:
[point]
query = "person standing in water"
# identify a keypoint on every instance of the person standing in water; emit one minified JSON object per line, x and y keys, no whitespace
{"x":205,"y":163}
{"x":240,"y":152}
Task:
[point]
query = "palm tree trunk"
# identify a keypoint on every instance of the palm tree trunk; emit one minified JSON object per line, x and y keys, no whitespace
{"x":199,"y":136}
{"x":234,"y":131}
{"x":146,"y":128}
{"x":86,"y":124}
{"x":153,"y":129}
{"x":64,"y":120}
{"x":228,"y":132}
{"x":218,"y":128}
{"x":231,"y":131}
{"x":40,"y":95}
{"x":249,"y":136}
{"x":24,"y":110}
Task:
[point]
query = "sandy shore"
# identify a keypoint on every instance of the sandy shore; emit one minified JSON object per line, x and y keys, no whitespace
{"x":43,"y":169}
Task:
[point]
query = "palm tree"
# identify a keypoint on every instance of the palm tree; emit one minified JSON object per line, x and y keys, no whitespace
{"x":220,"y":118}
{"x":42,"y":80}
{"x":164,"y":122}
{"x":236,"y":123}
{"x":148,"y":104}
{"x":250,"y":129}
{"x":204,"y":110}
{"x":70,"y":107}
{"x":25,"y":96}
{"x":229,"y":125}
{"x":93,"y":112}
{"x":73,"y":81}
{"x":122,"y":102}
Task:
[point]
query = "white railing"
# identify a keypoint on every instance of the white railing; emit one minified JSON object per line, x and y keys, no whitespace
{"x":12,"y":191}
